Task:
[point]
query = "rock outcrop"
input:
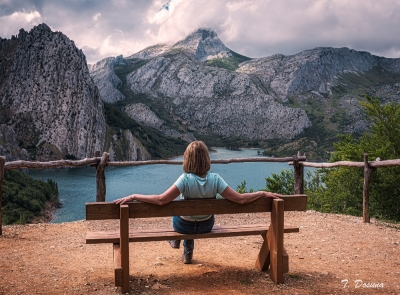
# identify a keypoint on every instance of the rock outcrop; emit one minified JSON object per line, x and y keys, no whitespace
{"x":264,"y":98}
{"x":206,"y":99}
{"x":50,"y":107}
{"x":106,"y":80}
{"x":217,"y":101}
{"x":311,"y":70}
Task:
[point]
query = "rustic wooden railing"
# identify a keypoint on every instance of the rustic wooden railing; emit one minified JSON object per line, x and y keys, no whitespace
{"x":101,"y":162}
{"x":298,"y":162}
{"x":369,"y":168}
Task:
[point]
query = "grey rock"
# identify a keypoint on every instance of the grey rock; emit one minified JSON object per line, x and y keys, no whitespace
{"x":143,"y":114}
{"x":209,"y":99}
{"x":52,"y":103}
{"x":104,"y":77}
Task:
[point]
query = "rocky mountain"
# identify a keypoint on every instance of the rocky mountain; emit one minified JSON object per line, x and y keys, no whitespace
{"x":106,"y":80}
{"x":205,"y":99}
{"x":50,"y":107}
{"x":200,"y":86}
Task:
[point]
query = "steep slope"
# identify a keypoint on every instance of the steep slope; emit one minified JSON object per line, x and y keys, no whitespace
{"x":50,"y":107}
{"x":177,"y":81}
{"x":104,"y":76}
{"x":283,"y":103}
{"x":311,"y":70}
{"x":213,"y":100}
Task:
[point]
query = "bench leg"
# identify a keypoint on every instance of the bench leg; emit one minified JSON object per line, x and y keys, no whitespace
{"x":275,"y":241}
{"x":124,"y":244}
{"x":263,"y":259}
{"x":285,"y":261}
{"x":117,"y":265}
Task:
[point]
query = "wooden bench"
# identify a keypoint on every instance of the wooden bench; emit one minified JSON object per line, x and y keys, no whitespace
{"x":272,"y":254}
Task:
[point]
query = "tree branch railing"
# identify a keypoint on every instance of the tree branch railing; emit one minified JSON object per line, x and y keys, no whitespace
{"x":101,"y":162}
{"x":298,"y":162}
{"x":368,"y":166}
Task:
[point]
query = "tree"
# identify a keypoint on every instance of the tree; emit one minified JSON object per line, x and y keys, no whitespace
{"x":339,"y":190}
{"x":344,"y":185}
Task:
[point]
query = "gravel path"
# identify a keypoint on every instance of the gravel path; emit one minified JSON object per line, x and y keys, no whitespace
{"x":332,"y":254}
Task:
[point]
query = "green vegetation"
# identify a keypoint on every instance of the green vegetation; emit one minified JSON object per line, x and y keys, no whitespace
{"x":25,"y":198}
{"x":229,"y":63}
{"x":158,"y":145}
{"x":358,"y":84}
{"x":340,"y":190}
{"x":330,"y":116}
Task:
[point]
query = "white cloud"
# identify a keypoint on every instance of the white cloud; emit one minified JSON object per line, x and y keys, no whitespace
{"x":96,"y":16}
{"x":11,"y":24}
{"x":252,"y":28}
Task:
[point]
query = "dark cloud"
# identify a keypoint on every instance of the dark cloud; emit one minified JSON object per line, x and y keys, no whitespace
{"x":253,"y":28}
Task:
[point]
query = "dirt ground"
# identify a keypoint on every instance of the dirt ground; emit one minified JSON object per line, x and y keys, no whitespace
{"x":332,"y":254}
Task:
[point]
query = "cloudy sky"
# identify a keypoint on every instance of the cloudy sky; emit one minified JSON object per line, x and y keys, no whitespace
{"x":255,"y":28}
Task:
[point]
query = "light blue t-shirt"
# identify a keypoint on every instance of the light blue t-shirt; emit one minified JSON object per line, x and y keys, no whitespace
{"x":192,"y":186}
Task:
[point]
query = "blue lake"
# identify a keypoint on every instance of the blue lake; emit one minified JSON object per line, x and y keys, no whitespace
{"x":78,"y":185}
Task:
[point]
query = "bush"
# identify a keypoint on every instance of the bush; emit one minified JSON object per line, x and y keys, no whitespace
{"x":24,"y":197}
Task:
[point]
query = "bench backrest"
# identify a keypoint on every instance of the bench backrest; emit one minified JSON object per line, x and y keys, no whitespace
{"x":109,"y":210}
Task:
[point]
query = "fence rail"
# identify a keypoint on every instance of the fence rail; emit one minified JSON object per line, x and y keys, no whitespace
{"x":374,"y":164}
{"x":298,"y":162}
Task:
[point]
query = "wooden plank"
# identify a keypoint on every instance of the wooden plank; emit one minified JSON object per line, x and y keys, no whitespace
{"x":263,"y":258}
{"x":285,"y":261}
{"x":124,"y":244}
{"x":117,"y":265}
{"x":169,"y":234}
{"x":275,"y":240}
{"x":109,"y":210}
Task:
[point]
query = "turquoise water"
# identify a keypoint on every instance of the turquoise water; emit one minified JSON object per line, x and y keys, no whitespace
{"x":78,"y":185}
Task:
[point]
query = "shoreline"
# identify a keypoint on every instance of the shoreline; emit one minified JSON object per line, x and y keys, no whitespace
{"x":47,"y":214}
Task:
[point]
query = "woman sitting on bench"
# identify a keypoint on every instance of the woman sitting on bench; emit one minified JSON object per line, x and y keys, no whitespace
{"x":196,"y":183}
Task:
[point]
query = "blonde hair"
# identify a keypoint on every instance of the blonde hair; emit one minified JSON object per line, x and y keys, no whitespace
{"x":196,"y":158}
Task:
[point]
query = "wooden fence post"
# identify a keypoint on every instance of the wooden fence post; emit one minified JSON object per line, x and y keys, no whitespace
{"x":367,"y":181}
{"x":298,"y":175}
{"x":101,"y":178}
{"x":2,"y":164}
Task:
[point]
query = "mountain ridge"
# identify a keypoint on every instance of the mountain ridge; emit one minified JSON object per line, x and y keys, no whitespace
{"x":213,"y":91}
{"x":52,"y":108}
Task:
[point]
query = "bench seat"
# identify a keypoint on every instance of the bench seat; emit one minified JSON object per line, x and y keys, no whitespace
{"x":164,"y":234}
{"x":272,"y":256}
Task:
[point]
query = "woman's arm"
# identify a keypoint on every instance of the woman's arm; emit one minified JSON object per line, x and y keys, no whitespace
{"x":236,"y":197}
{"x":166,"y":197}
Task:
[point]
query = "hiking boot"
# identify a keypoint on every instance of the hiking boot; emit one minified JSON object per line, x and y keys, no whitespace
{"x":174,"y":243}
{"x":187,"y":258}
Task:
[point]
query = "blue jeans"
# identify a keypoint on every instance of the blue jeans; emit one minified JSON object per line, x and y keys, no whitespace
{"x":191,"y":227}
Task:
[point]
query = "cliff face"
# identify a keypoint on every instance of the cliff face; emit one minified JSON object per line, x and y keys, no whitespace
{"x":50,"y":107}
{"x":106,"y":80}
{"x":206,"y":99}
{"x":311,"y":70}
{"x":213,"y":91}
{"x":217,"y":101}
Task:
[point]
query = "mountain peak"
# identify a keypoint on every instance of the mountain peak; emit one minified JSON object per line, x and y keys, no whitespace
{"x":203,"y":44}
{"x":203,"y":34}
